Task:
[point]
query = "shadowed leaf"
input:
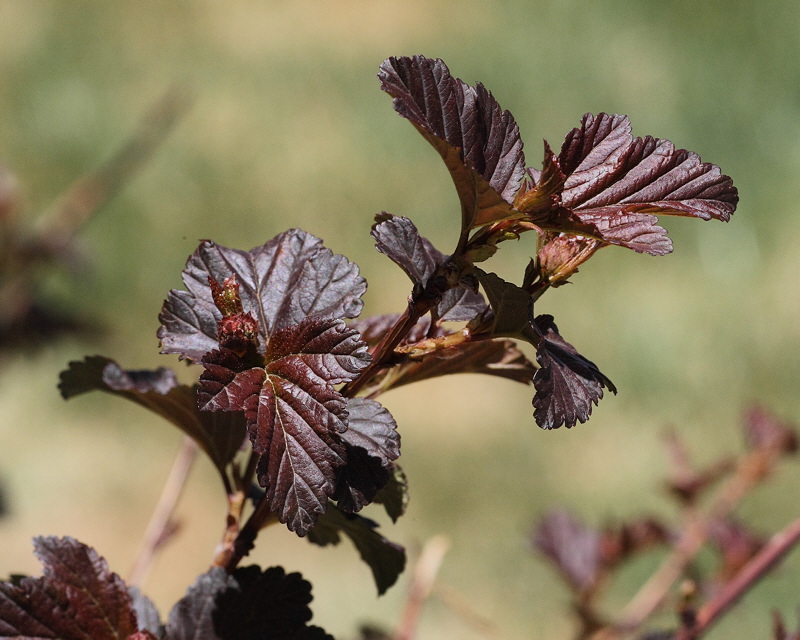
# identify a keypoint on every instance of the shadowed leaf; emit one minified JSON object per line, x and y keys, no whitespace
{"x":385,"y":559}
{"x":249,"y":604}
{"x":219,"y":435}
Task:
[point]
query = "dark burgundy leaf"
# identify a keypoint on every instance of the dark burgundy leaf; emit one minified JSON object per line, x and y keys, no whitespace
{"x":571,"y":546}
{"x":373,"y":444}
{"x":266,"y":605}
{"x":385,"y":559}
{"x":77,"y":597}
{"x":478,"y":141}
{"x":359,"y":481}
{"x":191,"y":617}
{"x":288,"y":279}
{"x":219,"y":435}
{"x":614,"y":180}
{"x":295,"y":417}
{"x":248,"y":605}
{"x":394,"y":496}
{"x":567,"y":384}
{"x":397,"y":237}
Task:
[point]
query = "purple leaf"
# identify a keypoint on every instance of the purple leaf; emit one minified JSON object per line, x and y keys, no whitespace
{"x":219,"y":435}
{"x":76,"y":597}
{"x":567,"y":384}
{"x":385,"y":559}
{"x":572,"y":547}
{"x":295,"y":417}
{"x":613,"y":182}
{"x":478,"y":141}
{"x":397,"y":237}
{"x":288,"y":279}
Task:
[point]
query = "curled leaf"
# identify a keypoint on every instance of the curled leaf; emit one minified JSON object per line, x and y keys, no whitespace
{"x":385,"y":559}
{"x":567,"y":384}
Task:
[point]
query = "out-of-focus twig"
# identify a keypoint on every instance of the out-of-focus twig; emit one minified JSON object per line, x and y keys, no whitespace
{"x":162,"y":526}
{"x":425,"y":571}
{"x":762,"y":563}
{"x":749,"y":471}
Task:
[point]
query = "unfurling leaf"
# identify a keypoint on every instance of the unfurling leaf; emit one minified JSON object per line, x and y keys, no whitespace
{"x":386,"y":559}
{"x":288,"y":279}
{"x":219,"y":435}
{"x":606,"y":179}
{"x":397,"y":237}
{"x":250,"y":603}
{"x":76,"y":597}
{"x":478,"y":141}
{"x":567,"y":384}
{"x":295,"y":417}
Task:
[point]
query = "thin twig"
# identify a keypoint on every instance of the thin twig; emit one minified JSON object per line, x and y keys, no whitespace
{"x":425,"y":571}
{"x":157,"y":532}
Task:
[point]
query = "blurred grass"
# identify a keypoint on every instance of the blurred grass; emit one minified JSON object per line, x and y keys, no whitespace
{"x":290,"y":129}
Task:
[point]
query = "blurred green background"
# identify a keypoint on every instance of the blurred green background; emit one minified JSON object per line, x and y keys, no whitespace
{"x":290,"y":129}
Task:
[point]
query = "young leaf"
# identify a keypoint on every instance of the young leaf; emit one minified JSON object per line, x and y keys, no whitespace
{"x":567,"y":384}
{"x":478,"y":141}
{"x":76,"y":597}
{"x":295,"y":417}
{"x":250,"y":603}
{"x":606,"y":179}
{"x":397,"y":237}
{"x":288,"y":279}
{"x":386,"y":559}
{"x":219,"y":435}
